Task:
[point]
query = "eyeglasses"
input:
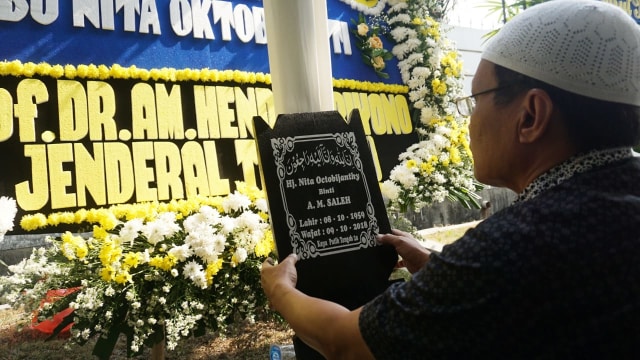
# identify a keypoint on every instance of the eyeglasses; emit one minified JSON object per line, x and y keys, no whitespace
{"x":466,"y":104}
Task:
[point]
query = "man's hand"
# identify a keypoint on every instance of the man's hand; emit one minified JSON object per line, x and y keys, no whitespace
{"x":278,"y":280}
{"x":413,"y":255}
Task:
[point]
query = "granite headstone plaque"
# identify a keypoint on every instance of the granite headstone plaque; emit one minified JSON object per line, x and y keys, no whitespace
{"x":325,"y":204}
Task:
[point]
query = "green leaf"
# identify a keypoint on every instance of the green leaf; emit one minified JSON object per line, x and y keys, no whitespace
{"x":104,"y":345}
{"x":382,"y":74}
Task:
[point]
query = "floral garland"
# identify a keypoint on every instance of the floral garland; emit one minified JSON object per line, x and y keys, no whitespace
{"x":103,"y":72}
{"x":152,"y":271}
{"x":440,"y":165}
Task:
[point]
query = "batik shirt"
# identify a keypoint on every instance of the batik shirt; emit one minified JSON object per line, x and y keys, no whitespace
{"x":556,"y":275}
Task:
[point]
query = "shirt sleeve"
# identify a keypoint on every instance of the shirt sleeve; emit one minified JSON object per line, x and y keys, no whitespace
{"x":441,"y":311}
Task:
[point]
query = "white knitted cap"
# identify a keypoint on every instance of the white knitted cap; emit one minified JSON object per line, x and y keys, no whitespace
{"x":586,"y":47}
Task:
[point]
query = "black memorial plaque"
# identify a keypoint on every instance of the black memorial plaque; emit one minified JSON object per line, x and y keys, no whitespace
{"x":325,"y":204}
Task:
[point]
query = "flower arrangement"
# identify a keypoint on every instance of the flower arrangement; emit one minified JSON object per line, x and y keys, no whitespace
{"x":153,"y":271}
{"x":439,"y":166}
{"x":371,"y":46}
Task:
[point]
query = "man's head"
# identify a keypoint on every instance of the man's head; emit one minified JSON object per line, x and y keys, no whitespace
{"x":568,"y":73}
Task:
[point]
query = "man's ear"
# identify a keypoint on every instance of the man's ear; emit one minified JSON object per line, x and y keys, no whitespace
{"x":535,"y":118}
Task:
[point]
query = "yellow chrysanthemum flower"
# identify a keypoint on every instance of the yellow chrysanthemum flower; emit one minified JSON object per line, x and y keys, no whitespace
{"x":110,"y":252}
{"x":211,"y":270}
{"x":426,"y":168}
{"x":33,"y":222}
{"x":99,"y":232}
{"x":76,"y":243}
{"x":265,"y":246}
{"x":165,"y":263}
{"x":107,"y":273}
{"x":122,"y":277}
{"x":131,"y":260}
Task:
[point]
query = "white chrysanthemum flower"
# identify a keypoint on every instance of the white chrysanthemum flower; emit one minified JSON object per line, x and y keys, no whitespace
{"x":200,"y":280}
{"x":164,"y":226}
{"x":8,"y":211}
{"x":250,"y":220}
{"x":404,"y":176}
{"x":439,"y":178}
{"x":209,"y":212}
{"x":130,"y":230}
{"x":182,"y":252}
{"x":228,"y":224}
{"x":390,"y":191}
{"x":219,"y":243}
{"x":235,"y":202}
{"x":192,"y":269}
{"x":239,"y":256}
{"x":262,"y":205}
{"x":153,"y":232}
{"x":401,"y":50}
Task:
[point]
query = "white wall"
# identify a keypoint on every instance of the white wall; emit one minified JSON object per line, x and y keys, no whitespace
{"x":469,"y":43}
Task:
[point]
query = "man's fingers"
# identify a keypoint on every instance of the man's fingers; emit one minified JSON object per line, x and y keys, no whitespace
{"x":292,"y":257}
{"x":400,"y":233}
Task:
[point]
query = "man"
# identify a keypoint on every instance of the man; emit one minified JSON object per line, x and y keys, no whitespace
{"x":555,"y":111}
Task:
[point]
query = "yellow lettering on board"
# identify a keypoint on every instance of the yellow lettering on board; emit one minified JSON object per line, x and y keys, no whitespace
{"x":72,"y":109}
{"x":338,"y":104}
{"x":247,"y":156}
{"x":404,"y":115}
{"x":206,"y":105}
{"x":29,"y":93}
{"x":390,"y":114}
{"x":6,"y":115}
{"x":33,"y":196}
{"x":246,"y":109}
{"x":361,"y":102}
{"x":168,"y":169}
{"x":59,"y":178}
{"x":102,"y":111}
{"x":90,"y":174}
{"x":217,"y":186}
{"x":143,"y":112}
{"x":265,"y":105}
{"x":143,"y":152}
{"x":224,"y":95}
{"x":169,"y":105}
{"x":119,"y":167}
{"x":377,"y":115}
{"x":345,"y":103}
{"x":374,"y":154}
{"x":195,"y":169}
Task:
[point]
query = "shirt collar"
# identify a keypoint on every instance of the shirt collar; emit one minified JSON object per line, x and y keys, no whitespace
{"x":572,"y":166}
